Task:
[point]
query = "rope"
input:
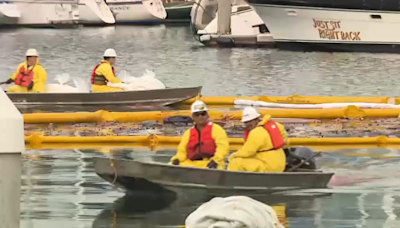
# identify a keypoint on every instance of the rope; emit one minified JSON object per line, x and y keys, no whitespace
{"x":114,"y":220}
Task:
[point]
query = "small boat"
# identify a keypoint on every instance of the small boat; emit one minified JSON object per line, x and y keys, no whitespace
{"x":161,"y":97}
{"x":135,"y":176}
{"x":246,"y":27}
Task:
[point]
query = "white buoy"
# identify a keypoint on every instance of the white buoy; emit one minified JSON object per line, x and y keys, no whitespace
{"x":224,"y":17}
{"x":12,"y":144}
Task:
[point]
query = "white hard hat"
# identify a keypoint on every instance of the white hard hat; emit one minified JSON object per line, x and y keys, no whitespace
{"x":32,"y":52}
{"x":249,"y":113}
{"x":110,"y":53}
{"x":198,"y":106}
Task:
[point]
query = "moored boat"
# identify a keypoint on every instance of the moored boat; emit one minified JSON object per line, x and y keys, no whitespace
{"x":127,"y":12}
{"x":51,"y":13}
{"x":149,"y":176}
{"x":9,"y":13}
{"x":161,"y":96}
{"x":369,"y":25}
{"x":178,"y":10}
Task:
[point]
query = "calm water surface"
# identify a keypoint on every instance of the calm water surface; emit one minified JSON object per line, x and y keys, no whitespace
{"x":60,"y":188}
{"x":180,"y":61}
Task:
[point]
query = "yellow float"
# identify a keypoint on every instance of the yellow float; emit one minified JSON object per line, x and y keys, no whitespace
{"x":106,"y":116}
{"x":35,"y":140}
{"x":295,"y":99}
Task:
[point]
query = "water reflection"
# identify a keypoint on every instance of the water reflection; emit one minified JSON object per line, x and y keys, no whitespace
{"x":60,"y":188}
{"x":172,"y":209}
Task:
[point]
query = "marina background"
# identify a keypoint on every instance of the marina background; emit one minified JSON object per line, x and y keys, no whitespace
{"x":60,"y":188}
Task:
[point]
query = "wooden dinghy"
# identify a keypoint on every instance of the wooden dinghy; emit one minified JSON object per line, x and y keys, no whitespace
{"x":152,"y":176}
{"x":160,"y":97}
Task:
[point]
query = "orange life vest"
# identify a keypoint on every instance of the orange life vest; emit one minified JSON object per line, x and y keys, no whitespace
{"x":278,"y":141}
{"x":200,"y":147}
{"x":99,"y":79}
{"x":24,"y":77}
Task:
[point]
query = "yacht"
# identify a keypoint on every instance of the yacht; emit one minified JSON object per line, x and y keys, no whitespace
{"x":332,"y":25}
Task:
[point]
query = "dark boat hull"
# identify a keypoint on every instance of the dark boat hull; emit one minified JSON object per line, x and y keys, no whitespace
{"x":157,"y":177}
{"x":161,"y":97}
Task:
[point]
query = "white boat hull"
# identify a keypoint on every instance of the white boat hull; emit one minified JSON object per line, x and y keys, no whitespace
{"x":125,"y":12}
{"x":45,"y":13}
{"x":48,"y":13}
{"x":243,"y":23}
{"x":9,"y":13}
{"x":323,"y":26}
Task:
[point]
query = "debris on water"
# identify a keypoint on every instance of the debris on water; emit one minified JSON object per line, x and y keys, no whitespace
{"x":175,"y":126}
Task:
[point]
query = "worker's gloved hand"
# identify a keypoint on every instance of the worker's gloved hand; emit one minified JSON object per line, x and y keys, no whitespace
{"x":30,"y":86}
{"x":212,"y":165}
{"x":9,"y":81}
{"x":175,"y":162}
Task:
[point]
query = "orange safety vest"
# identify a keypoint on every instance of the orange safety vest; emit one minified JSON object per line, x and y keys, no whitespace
{"x":278,"y":141}
{"x":24,"y":77}
{"x":201,"y":146}
{"x":99,"y":79}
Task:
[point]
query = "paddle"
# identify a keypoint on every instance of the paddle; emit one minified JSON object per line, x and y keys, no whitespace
{"x":302,"y":162}
{"x":3,"y":83}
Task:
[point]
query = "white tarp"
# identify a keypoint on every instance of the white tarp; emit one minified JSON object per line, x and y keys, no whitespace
{"x":313,"y":106}
{"x":233,"y":212}
{"x":147,"y":81}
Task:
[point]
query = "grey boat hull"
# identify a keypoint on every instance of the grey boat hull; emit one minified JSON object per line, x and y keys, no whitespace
{"x":135,"y":176}
{"x":161,"y":97}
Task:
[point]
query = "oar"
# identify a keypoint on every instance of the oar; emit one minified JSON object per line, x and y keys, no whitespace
{"x":303,"y":161}
{"x":3,"y":83}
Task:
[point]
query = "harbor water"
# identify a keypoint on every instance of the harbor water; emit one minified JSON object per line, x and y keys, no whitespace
{"x":60,"y":188}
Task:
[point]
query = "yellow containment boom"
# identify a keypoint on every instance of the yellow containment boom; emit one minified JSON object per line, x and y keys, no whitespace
{"x":153,"y":140}
{"x":296,"y":99}
{"x":106,"y":116}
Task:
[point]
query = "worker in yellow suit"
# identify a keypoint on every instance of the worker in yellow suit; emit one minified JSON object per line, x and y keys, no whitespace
{"x":30,"y":76}
{"x":104,"y":73}
{"x":205,"y":145}
{"x":263,"y":147}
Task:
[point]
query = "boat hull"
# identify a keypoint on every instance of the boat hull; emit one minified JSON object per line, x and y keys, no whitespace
{"x":46,"y":14}
{"x":139,"y":176}
{"x":162,"y":96}
{"x":329,"y":29}
{"x":125,"y":12}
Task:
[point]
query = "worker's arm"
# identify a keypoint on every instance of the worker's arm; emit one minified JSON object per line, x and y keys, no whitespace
{"x":222,"y":143}
{"x":253,"y":144}
{"x":283,"y":132}
{"x":106,"y":71}
{"x":14,"y":76}
{"x":181,"y":153}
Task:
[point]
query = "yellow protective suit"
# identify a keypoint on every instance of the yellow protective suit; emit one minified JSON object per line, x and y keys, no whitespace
{"x":105,"y":69}
{"x":221,"y":141}
{"x":250,"y":159}
{"x":39,"y":79}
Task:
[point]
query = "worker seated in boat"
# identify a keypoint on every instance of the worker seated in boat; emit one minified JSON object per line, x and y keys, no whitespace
{"x":263,"y":147}
{"x":205,"y":145}
{"x":104,"y":73}
{"x":29,"y":77}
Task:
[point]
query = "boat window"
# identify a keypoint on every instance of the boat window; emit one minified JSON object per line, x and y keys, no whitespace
{"x":243,"y":8}
{"x":376,"y":16}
